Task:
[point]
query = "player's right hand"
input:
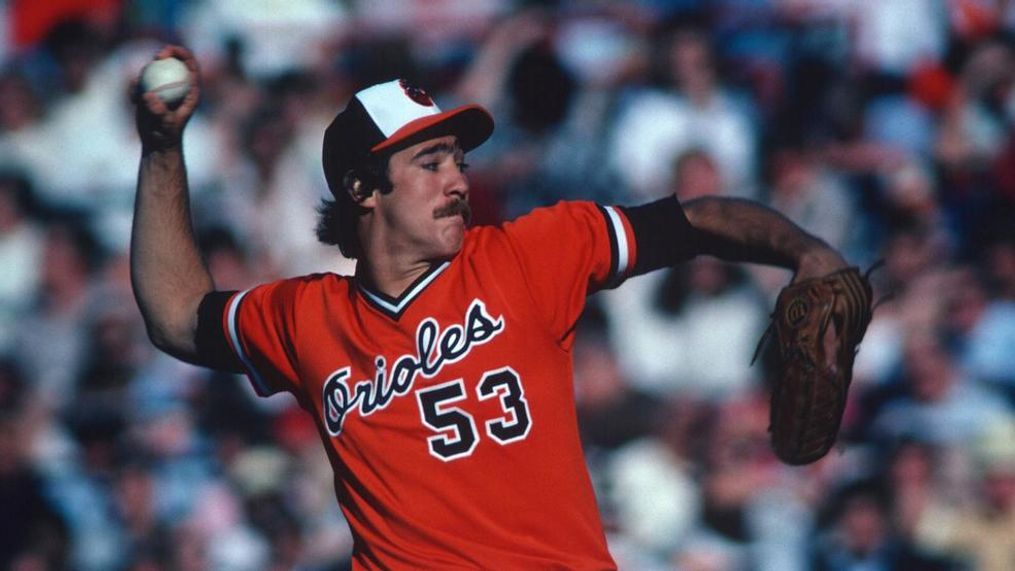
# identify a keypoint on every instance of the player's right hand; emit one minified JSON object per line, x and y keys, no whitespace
{"x":159,"y":126}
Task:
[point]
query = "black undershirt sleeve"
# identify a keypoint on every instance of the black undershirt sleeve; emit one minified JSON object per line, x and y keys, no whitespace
{"x":213,"y":348}
{"x":663,"y":235}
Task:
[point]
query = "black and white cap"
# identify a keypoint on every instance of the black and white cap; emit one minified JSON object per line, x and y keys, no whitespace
{"x":393,"y":115}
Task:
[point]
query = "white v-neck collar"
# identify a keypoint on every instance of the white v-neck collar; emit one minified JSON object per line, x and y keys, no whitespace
{"x":394,"y":307}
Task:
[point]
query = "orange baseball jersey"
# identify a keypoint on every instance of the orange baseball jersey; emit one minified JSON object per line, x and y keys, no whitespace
{"x":448,"y":413}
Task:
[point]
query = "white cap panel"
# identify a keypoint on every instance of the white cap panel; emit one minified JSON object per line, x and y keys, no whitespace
{"x":391,"y":107}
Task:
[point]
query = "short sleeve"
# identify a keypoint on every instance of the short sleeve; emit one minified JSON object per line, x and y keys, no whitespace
{"x":568,"y":251}
{"x":260,"y":328}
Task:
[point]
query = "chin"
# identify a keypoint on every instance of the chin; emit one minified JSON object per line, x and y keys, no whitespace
{"x":453,"y":234}
{"x":455,"y":246}
{"x":444,"y":243}
{"x":451,"y":245}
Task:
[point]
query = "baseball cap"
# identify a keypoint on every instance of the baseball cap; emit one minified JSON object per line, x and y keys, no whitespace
{"x":394,"y":115}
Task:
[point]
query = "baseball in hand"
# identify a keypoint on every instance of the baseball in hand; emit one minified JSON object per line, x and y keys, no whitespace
{"x":168,"y":78}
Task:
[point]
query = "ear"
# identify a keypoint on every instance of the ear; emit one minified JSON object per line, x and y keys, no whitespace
{"x":358,"y":189}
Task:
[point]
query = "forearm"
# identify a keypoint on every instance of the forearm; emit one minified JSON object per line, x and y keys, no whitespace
{"x":743,"y":231}
{"x":168,"y":274}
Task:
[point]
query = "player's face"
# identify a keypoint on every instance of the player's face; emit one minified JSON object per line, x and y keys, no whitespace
{"x":426,"y":213}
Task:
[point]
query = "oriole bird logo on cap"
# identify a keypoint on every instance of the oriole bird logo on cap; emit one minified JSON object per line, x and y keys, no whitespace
{"x":417,"y":94}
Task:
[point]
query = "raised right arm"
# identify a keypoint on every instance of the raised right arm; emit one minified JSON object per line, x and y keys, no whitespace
{"x":168,"y":275}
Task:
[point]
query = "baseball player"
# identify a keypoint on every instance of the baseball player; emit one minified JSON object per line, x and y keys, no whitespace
{"x":439,"y":376}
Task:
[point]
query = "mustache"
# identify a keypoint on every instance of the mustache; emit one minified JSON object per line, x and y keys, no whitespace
{"x":454,"y":208}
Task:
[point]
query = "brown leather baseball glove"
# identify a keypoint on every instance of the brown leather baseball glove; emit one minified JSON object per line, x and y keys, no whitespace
{"x":817,"y":325}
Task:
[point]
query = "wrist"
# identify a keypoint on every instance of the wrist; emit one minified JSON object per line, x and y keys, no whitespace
{"x":818,"y":260}
{"x":157,"y":149}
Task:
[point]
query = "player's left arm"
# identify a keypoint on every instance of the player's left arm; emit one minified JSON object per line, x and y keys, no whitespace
{"x":736,"y":230}
{"x":739,"y":230}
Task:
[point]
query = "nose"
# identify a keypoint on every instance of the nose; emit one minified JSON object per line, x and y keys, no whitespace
{"x":457,"y":185}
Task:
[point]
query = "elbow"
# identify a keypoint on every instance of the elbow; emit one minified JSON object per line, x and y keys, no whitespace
{"x":172,"y":334}
{"x":723,"y":226}
{"x":167,"y":340}
{"x":701,"y":212}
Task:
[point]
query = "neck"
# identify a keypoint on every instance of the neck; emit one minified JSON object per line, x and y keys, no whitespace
{"x":388,"y":275}
{"x":389,"y":264}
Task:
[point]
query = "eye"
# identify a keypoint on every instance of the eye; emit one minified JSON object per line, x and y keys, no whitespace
{"x":463,"y":166}
{"x":431,"y":166}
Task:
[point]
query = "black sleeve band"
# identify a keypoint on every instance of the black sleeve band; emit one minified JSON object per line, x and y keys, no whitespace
{"x":663,"y":235}
{"x":212,"y":346}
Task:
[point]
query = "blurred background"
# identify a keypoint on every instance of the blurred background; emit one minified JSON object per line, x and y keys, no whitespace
{"x":884,"y":127}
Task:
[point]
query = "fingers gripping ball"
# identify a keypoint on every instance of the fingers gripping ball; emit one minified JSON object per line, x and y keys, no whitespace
{"x":168,"y":78}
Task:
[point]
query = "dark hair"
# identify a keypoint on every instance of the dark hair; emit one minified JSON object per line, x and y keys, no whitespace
{"x":337,"y":219}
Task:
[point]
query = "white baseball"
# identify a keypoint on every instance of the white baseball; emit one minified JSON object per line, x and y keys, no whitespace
{"x":168,"y":78}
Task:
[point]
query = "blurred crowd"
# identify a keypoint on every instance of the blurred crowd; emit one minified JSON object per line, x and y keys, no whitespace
{"x":884,"y":127}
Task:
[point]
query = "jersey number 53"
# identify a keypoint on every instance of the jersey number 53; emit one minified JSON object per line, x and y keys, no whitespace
{"x":457,"y":436}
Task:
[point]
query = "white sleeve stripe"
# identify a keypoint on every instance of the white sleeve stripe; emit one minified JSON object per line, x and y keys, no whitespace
{"x":623,"y":251}
{"x":234,"y":336}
